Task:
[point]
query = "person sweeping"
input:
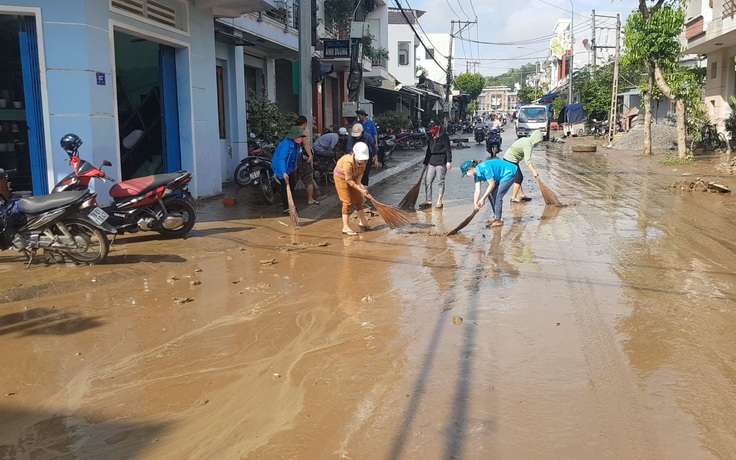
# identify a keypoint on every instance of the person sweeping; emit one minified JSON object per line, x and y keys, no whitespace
{"x":438,"y":161}
{"x":348,"y":174}
{"x":522,"y":149}
{"x":500,"y":177}
{"x":284,"y":162}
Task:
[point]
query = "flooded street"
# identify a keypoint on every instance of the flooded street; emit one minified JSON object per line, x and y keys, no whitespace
{"x":605,"y":329}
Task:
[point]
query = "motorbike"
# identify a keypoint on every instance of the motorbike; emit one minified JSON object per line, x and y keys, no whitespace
{"x":480,"y":134}
{"x":255,"y":169}
{"x":66,"y":224}
{"x":402,"y":140}
{"x":160,"y":203}
{"x":599,"y":128}
{"x":386,"y":146}
{"x":418,"y":140}
{"x":493,"y":142}
{"x":468,"y":127}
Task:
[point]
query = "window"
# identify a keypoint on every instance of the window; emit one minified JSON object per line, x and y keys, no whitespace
{"x":221,"y":102}
{"x":429,"y":53}
{"x":713,"y":69}
{"x":169,"y":13}
{"x":404,"y":53}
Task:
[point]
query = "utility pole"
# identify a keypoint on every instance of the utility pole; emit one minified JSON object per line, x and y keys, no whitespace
{"x":592,"y":41}
{"x":572,"y":54}
{"x":305,"y":61}
{"x":448,"y":85}
{"x":614,"y":94}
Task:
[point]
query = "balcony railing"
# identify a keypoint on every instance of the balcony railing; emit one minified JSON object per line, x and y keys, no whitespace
{"x":380,"y":62}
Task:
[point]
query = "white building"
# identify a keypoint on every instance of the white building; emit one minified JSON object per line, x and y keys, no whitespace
{"x":437,"y":45}
{"x":403,"y":45}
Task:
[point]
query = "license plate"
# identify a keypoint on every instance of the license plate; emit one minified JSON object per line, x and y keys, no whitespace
{"x":255,"y":175}
{"x":98,"y":216}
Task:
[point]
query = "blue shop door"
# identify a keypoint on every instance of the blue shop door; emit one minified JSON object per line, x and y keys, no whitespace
{"x":169,"y":110}
{"x":34,"y":108}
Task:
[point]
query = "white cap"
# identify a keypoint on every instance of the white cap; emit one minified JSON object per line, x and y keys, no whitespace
{"x":360,"y":149}
{"x":342,"y":131}
{"x":357,"y":130}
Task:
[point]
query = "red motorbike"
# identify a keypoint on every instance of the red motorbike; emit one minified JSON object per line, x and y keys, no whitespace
{"x":159,"y":203}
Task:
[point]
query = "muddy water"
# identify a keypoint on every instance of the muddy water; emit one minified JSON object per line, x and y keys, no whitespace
{"x":601,"y":330}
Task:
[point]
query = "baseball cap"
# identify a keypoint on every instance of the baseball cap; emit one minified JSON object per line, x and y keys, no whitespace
{"x":357,"y":130}
{"x":360,"y":149}
{"x":295,"y":132}
{"x":465,"y":166}
{"x":361,"y":112}
{"x":342,"y":131}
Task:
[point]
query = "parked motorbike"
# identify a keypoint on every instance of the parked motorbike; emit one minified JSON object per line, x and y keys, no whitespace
{"x":493,"y":142}
{"x":479,"y":133}
{"x":468,"y":127}
{"x":66,"y":224}
{"x":255,"y":169}
{"x":418,"y":140}
{"x":159,"y":203}
{"x":386,"y":146}
{"x":403,"y":140}
{"x":599,"y":128}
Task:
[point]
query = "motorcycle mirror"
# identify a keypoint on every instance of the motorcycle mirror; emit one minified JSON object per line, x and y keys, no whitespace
{"x":106,"y":163}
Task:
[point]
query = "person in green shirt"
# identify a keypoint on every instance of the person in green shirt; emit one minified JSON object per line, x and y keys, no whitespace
{"x":522,"y":149}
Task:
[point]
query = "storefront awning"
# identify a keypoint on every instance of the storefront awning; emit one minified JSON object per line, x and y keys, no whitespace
{"x":235,"y":8}
{"x":549,"y":97}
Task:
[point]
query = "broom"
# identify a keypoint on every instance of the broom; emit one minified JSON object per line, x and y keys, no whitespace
{"x":548,"y":195}
{"x":292,"y":207}
{"x":463,"y":224}
{"x":394,"y":217}
{"x":410,"y":199}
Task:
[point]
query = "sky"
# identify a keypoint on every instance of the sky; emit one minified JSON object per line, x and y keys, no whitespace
{"x":511,"y":21}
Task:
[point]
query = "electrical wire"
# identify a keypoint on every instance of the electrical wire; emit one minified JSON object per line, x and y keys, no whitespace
{"x":451,"y":9}
{"x":401,"y":8}
{"x":426,"y":35}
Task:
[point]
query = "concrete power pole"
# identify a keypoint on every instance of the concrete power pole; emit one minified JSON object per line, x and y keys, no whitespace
{"x":614,"y":94}
{"x":592,"y":41}
{"x":448,"y":85}
{"x":305,"y":61}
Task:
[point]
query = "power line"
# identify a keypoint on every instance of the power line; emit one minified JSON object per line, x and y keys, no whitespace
{"x":451,"y":9}
{"x":426,"y":35}
{"x":560,"y":8}
{"x":401,"y":8}
{"x":462,"y":9}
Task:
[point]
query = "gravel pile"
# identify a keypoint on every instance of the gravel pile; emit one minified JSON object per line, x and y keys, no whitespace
{"x":664,"y":137}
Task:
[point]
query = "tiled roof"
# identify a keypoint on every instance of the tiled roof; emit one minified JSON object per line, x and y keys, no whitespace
{"x":395,"y":16}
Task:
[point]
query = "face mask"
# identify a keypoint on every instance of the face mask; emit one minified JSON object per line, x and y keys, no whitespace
{"x":435,"y":131}
{"x":298,"y":140}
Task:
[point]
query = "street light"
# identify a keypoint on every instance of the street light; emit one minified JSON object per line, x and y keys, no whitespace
{"x":536,"y":65}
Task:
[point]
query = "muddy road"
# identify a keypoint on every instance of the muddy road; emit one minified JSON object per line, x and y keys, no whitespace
{"x":605,"y":329}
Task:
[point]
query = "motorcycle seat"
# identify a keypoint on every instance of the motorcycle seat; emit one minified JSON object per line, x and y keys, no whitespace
{"x":141,"y":185}
{"x":39,"y":204}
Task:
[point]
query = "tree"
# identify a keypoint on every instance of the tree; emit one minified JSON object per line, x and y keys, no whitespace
{"x":471,"y":83}
{"x":528,"y":94}
{"x":652,"y":39}
{"x":595,"y":86}
{"x":512,"y":77}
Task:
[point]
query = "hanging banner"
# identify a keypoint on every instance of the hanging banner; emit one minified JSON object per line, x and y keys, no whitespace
{"x":559,"y":45}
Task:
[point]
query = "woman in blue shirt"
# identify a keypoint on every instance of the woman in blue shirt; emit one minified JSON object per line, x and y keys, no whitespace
{"x":500,"y":177}
{"x":284,"y":162}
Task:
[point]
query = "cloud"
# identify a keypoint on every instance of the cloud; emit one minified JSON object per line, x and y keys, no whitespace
{"x":510,"y":21}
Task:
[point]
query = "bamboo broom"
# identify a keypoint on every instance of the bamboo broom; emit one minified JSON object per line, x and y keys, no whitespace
{"x":548,"y":195}
{"x":410,"y":199}
{"x":394,"y":217}
{"x":292,"y":207}
{"x":463,"y":224}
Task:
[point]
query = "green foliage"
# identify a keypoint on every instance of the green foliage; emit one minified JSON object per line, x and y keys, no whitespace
{"x":731,"y":120}
{"x":394,"y":120}
{"x":422,"y":72}
{"x":655,"y":39}
{"x":528,"y":94}
{"x":511,"y":77}
{"x":674,"y":160}
{"x":473,"y":107}
{"x":557,"y":105}
{"x":338,"y":15}
{"x":370,"y":52}
{"x":264,"y":118}
{"x":471,"y":83}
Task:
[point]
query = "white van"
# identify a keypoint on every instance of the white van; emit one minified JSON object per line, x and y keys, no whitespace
{"x":531,"y":118}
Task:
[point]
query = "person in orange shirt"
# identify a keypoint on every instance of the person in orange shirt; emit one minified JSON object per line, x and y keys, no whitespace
{"x":348,"y":174}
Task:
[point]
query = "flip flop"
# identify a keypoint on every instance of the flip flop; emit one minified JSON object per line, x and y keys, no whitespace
{"x":525,"y":198}
{"x":426,"y":204}
{"x":440,"y":206}
{"x":515,"y":201}
{"x":313,"y":202}
{"x":349,"y":233}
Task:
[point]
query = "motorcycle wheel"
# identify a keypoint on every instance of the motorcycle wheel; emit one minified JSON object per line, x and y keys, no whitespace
{"x":495,"y":149}
{"x":92,"y":244}
{"x":185,"y":208}
{"x":242,"y":175}
{"x":264,"y":185}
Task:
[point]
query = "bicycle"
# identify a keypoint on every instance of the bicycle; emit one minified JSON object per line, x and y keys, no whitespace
{"x":710,"y":139}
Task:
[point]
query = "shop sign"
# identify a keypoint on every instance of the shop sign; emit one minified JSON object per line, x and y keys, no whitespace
{"x":336,"y":49}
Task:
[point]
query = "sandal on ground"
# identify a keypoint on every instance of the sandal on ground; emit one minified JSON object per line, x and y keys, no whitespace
{"x":365,"y":228}
{"x":349,"y":233}
{"x":439,"y":206}
{"x":497,"y":223}
{"x":525,"y":198}
{"x":515,"y":201}
{"x":426,"y":204}
{"x":313,"y":202}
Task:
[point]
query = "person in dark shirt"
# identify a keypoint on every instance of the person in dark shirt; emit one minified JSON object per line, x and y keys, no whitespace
{"x":438,"y":161}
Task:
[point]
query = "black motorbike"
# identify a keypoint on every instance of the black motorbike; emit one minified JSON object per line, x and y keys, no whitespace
{"x":255,"y":169}
{"x":386,"y":147}
{"x":480,"y":134}
{"x":493,"y":142}
{"x":65,"y":224}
